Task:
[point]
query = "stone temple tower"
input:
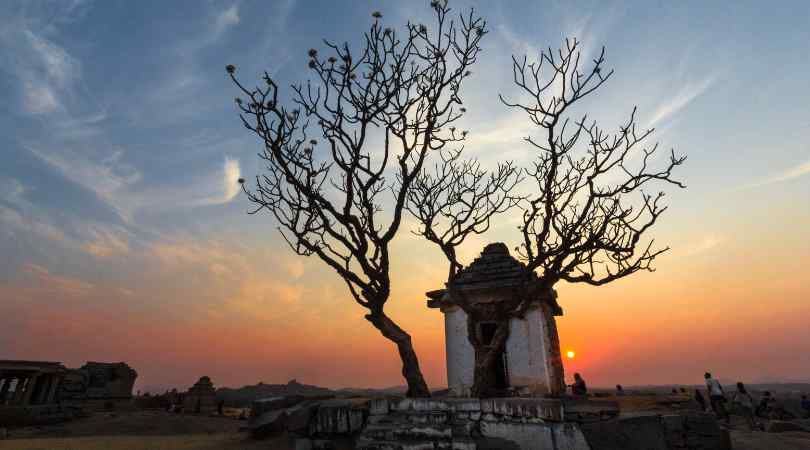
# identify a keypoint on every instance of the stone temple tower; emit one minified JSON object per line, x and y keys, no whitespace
{"x":531,"y":363}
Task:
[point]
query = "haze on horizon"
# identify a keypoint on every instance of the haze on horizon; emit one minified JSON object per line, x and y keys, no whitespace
{"x":124,"y":237}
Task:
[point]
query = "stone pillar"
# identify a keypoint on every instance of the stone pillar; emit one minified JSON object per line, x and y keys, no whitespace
{"x":555,"y":369}
{"x":4,"y":389}
{"x":44,"y":389}
{"x":29,"y":389}
{"x":56,"y":381}
{"x":19,"y":390}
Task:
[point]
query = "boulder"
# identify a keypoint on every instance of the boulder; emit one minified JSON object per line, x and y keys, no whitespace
{"x":268,"y":423}
{"x":781,"y":426}
{"x":300,"y":416}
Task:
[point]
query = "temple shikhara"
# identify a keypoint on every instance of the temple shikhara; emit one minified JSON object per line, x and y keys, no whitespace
{"x":530,"y":364}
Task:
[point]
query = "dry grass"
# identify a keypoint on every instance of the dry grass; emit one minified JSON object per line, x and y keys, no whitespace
{"x":226,"y":441}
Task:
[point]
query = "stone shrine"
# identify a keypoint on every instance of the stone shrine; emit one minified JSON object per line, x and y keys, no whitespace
{"x":200,"y":398}
{"x":531,"y":363}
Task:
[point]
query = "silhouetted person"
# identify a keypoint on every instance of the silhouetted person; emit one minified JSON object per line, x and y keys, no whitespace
{"x":744,"y":404}
{"x":701,"y":400}
{"x":579,"y":388}
{"x":805,"y":406}
{"x":619,"y":390}
{"x":220,"y":407}
{"x":764,"y":406}
{"x":717,"y":397}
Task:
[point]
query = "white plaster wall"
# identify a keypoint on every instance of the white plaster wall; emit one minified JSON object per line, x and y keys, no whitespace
{"x":526,"y":352}
{"x":460,"y":354}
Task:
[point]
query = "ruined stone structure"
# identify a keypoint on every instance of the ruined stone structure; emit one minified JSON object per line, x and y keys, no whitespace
{"x":201,"y":398}
{"x":26,"y":383}
{"x":110,"y":381}
{"x":29,"y":391}
{"x":531,"y":363}
{"x":477,"y":424}
{"x":33,"y":392}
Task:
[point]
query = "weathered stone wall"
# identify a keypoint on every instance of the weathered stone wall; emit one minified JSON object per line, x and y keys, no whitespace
{"x":526,"y":351}
{"x":473,"y":424}
{"x":460,"y":353}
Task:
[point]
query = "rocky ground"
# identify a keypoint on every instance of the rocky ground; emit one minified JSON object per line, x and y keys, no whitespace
{"x":158,"y":430}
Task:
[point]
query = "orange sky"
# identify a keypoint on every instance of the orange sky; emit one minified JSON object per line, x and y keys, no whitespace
{"x":124,"y":236}
{"x":733,"y":303}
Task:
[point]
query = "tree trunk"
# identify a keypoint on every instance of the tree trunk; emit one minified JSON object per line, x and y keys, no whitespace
{"x":486,"y":356}
{"x":410,"y":363}
{"x":557,"y":375}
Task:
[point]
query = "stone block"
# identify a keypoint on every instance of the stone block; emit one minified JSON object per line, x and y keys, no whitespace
{"x":379,"y":406}
{"x":339,"y":416}
{"x":519,"y":436}
{"x":300,"y":416}
{"x":268,"y":423}
{"x":781,"y":426}
{"x":540,"y":408}
{"x":422,"y":404}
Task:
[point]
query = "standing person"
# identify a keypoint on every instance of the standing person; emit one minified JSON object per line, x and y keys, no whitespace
{"x":806,"y":406}
{"x":579,"y":388}
{"x":744,"y":404}
{"x":619,"y":390}
{"x":717,"y":397}
{"x":701,"y":400}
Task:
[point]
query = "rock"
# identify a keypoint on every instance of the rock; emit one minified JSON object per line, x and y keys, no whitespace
{"x":268,"y":423}
{"x":261,"y":406}
{"x":781,"y":426}
{"x":339,"y":417}
{"x":379,"y":406}
{"x":300,"y":416}
{"x":201,"y":398}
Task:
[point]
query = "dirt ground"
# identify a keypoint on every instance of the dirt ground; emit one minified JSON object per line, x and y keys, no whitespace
{"x":139,"y":430}
{"x":158,"y":430}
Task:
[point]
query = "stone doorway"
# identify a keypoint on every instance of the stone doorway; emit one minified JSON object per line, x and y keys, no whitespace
{"x":499,"y":369}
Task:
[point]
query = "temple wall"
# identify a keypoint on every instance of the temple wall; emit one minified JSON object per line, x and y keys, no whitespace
{"x":526,"y":352}
{"x":460,"y":354}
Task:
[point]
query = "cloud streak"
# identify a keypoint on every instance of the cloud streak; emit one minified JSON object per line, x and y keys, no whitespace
{"x":686,"y":95}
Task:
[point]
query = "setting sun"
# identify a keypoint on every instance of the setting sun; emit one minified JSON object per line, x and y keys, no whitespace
{"x":570,"y":354}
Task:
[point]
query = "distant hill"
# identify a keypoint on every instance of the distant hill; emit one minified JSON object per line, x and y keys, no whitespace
{"x":245,"y":395}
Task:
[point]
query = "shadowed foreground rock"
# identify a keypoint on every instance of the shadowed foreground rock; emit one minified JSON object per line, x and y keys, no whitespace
{"x":477,"y":424}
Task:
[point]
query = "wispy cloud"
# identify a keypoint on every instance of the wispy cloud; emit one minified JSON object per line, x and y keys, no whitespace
{"x":786,"y":175}
{"x":682,"y":98}
{"x":226,"y":19}
{"x":58,"y":284}
{"x":46,"y":74}
{"x":703,"y":245}
{"x":106,"y":175}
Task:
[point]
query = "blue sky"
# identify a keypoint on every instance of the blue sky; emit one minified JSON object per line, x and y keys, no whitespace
{"x":120,"y":145}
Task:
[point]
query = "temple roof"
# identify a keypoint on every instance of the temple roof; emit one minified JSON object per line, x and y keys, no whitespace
{"x":495,"y":268}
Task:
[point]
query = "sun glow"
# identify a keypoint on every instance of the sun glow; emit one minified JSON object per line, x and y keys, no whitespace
{"x":570,"y":354}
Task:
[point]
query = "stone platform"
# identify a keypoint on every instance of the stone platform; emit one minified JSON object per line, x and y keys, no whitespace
{"x":478,"y":424}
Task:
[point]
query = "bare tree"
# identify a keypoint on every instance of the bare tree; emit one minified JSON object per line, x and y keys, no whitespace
{"x":379,"y":113}
{"x":460,"y":198}
{"x":579,"y":221}
{"x":584,"y":222}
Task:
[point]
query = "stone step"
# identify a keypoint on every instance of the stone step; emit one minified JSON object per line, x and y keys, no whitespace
{"x":415,"y":444}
